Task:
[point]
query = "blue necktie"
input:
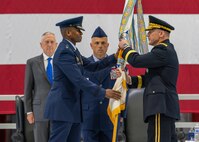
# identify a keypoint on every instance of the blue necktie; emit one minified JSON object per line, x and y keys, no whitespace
{"x":49,"y":71}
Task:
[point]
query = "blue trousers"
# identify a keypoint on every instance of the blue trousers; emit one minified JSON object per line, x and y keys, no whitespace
{"x":62,"y":131}
{"x":97,"y":136}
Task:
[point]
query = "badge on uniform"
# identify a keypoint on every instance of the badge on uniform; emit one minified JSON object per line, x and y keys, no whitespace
{"x":79,"y":61}
{"x":113,"y":74}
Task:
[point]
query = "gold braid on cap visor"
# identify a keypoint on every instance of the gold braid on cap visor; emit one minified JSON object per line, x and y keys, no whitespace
{"x":153,"y":26}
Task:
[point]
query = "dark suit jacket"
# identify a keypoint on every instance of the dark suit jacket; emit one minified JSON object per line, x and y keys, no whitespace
{"x":64,"y":99}
{"x":160,"y":94}
{"x":95,"y":115}
{"x":37,"y":87}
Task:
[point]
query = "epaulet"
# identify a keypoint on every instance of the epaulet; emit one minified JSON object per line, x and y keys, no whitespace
{"x":163,"y":44}
{"x":67,"y":45}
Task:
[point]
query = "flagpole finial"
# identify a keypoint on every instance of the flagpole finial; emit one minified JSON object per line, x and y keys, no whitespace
{"x":125,"y":35}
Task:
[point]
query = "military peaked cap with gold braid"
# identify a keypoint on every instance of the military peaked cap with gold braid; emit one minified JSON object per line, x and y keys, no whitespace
{"x":155,"y":23}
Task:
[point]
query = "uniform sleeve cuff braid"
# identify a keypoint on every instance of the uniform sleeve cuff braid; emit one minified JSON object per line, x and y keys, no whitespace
{"x":126,"y":51}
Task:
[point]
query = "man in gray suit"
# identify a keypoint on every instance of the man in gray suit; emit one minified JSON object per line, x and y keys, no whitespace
{"x":37,"y":85}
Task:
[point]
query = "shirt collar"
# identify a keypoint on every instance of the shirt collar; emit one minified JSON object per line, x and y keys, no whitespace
{"x":96,"y":59}
{"x":46,"y":57}
{"x":72,"y":44}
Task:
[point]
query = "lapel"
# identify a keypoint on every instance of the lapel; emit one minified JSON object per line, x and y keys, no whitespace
{"x":91,"y":58}
{"x":42,"y":67}
{"x":75,"y":51}
{"x":102,"y":75}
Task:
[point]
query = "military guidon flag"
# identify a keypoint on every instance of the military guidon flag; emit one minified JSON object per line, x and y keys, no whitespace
{"x":127,"y":30}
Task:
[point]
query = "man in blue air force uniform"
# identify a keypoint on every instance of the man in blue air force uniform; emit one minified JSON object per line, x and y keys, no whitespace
{"x":63,"y":106}
{"x":161,"y":103}
{"x":96,"y":126}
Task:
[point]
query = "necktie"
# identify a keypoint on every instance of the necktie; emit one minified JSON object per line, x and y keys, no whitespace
{"x":49,"y":71}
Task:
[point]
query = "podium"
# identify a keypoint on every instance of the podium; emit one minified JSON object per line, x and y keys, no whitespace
{"x":24,"y":131}
{"x":135,"y":128}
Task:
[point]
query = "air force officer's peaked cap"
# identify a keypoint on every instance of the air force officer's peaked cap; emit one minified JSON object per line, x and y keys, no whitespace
{"x":73,"y":22}
{"x":99,"y":33}
{"x":155,"y":23}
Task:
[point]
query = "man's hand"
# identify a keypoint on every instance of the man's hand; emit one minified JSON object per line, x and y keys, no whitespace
{"x":128,"y":77}
{"x":113,"y":94}
{"x":123,"y":44}
{"x":118,"y":73}
{"x":30,"y":118}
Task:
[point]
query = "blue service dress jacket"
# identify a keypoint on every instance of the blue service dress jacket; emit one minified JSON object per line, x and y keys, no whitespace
{"x":64,"y":99}
{"x":95,"y":115}
{"x":160,"y":95}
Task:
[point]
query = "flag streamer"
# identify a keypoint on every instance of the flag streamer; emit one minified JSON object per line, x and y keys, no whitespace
{"x":143,"y":45}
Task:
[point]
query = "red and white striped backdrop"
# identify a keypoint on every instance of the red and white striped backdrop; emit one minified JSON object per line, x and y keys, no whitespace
{"x":23,"y":22}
